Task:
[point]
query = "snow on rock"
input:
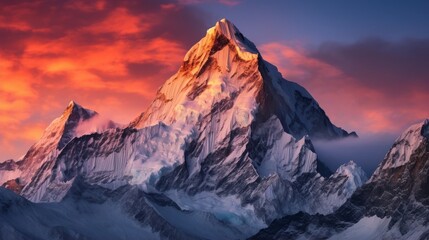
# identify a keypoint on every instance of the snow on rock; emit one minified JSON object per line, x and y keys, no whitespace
{"x":374,"y":228}
{"x":369,"y":228}
{"x":62,"y":129}
{"x":40,"y":157}
{"x":54,"y":138}
{"x":298,"y":111}
{"x":392,"y":205}
{"x":246,"y":49}
{"x":334,"y":191}
{"x":213,"y":74}
{"x":284,"y":156}
{"x":112,"y":159}
{"x":356,"y":177}
{"x":404,"y":147}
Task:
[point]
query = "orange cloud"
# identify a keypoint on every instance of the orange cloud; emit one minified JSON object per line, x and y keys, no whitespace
{"x":110,"y":56}
{"x":121,"y":22}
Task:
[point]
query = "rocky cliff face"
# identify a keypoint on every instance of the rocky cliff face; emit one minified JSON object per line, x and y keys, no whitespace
{"x":393,"y":204}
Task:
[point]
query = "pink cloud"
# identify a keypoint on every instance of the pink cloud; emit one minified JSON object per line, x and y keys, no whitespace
{"x":351,"y":102}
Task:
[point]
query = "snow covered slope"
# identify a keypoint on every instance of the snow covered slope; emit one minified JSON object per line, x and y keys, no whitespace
{"x":225,"y":72}
{"x":227,"y":142}
{"x":393,"y":204}
{"x":74,"y":121}
{"x":401,"y":151}
{"x":110,"y":159}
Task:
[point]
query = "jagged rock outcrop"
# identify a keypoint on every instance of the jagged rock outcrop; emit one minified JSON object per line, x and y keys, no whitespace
{"x":393,"y":204}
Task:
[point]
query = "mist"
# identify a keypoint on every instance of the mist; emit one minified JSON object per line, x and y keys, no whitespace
{"x":95,"y":124}
{"x":367,"y":151}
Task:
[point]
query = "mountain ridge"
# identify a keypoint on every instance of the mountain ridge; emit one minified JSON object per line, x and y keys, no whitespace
{"x":56,"y":136}
{"x":393,"y":204}
{"x":227,"y":141}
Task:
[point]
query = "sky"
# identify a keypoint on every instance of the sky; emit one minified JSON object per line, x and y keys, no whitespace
{"x":365,"y":62}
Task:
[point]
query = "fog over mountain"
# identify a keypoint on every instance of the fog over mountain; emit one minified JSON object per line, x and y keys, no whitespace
{"x":367,"y":151}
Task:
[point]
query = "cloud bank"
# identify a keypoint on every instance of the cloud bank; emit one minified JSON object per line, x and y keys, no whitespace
{"x":366,"y":151}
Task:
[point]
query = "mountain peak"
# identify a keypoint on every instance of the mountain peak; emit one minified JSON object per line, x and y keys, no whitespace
{"x":77,"y":107}
{"x":353,"y":171}
{"x":403,"y":148}
{"x":226,"y":29}
{"x":55,"y":137}
{"x":225,"y":71}
{"x":72,"y":103}
{"x":413,"y":136}
{"x":61,"y":130}
{"x":219,"y":67}
{"x":73,"y":108}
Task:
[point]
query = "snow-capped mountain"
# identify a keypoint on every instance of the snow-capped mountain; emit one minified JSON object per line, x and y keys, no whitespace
{"x":393,"y":204}
{"x":74,"y":121}
{"x":401,"y":151}
{"x":224,"y":74}
{"x":225,"y":145}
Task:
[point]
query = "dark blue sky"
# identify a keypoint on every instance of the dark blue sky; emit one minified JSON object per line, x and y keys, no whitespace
{"x":313,"y":22}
